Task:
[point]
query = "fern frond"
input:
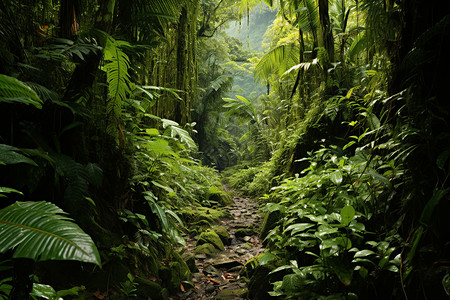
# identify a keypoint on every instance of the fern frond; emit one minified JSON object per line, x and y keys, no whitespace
{"x":13,"y":90}
{"x":222,"y":80}
{"x":118,"y":79}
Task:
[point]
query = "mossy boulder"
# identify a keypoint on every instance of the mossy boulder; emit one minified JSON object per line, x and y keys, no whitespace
{"x":189,"y":258}
{"x":210,"y":237}
{"x":241,"y":232}
{"x":146,"y":288}
{"x":174,"y":273}
{"x":222,"y":232}
{"x":207,"y":249}
{"x":193,"y":214}
{"x":270,"y":221}
{"x":218,"y":195}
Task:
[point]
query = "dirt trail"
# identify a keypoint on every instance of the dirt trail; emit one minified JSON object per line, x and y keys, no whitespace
{"x":218,"y":277}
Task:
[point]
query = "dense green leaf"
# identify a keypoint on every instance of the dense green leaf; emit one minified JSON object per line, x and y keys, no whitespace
{"x":347,"y":214}
{"x":13,"y":90}
{"x":336,"y":177}
{"x":41,"y":231}
{"x":10,"y":155}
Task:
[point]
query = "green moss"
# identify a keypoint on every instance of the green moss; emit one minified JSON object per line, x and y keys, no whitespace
{"x":193,"y":214}
{"x":174,"y":273}
{"x":217,"y":194}
{"x":222,"y":233}
{"x":211,"y":237}
{"x":207,"y":249}
{"x":241,"y":232}
{"x":231,"y":294}
{"x":146,"y":288}
{"x":189,"y":258}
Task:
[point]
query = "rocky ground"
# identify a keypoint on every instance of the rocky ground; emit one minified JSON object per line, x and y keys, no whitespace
{"x":218,"y":275}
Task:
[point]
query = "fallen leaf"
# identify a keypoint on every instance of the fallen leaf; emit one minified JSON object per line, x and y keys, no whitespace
{"x":99,"y":295}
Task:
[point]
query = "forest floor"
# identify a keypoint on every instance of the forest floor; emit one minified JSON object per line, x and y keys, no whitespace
{"x":219,"y":276}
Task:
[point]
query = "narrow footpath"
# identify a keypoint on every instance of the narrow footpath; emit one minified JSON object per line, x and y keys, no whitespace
{"x":219,"y":277}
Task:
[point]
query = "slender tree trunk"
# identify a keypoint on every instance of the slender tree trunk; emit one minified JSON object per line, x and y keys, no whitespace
{"x":325,"y":34}
{"x":181,"y":65}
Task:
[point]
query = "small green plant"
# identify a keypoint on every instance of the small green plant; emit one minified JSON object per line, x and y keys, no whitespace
{"x":129,"y":287}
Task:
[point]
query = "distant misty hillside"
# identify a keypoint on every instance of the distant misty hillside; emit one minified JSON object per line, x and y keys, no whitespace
{"x":251,"y":31}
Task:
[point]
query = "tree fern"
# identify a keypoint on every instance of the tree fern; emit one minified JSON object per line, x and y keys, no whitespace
{"x":118,"y":80}
{"x":13,"y":90}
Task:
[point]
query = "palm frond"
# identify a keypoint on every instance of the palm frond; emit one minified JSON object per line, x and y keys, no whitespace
{"x":358,"y":45}
{"x":13,"y":90}
{"x":278,"y":59}
{"x":41,"y":231}
{"x":176,"y":131}
{"x":308,"y":19}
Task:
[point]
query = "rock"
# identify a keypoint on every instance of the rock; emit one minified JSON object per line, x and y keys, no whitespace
{"x":247,"y":246}
{"x":210,"y":237}
{"x":229,"y":294}
{"x":227,"y":264}
{"x":189,"y":258}
{"x":217,"y":194}
{"x":222,"y":233}
{"x":210,"y":288}
{"x":241,"y":251}
{"x":242,"y":232}
{"x":146,"y":288}
{"x":174,"y":273}
{"x":207,"y":249}
{"x":200,"y":256}
{"x":211,"y":270}
{"x":235,"y":269}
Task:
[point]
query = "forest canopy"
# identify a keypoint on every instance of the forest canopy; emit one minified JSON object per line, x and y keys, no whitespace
{"x":127,"y":127}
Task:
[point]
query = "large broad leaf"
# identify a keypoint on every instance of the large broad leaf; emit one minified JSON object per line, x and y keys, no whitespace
{"x":10,"y":155}
{"x":336,"y":177}
{"x":347,"y":214}
{"x":15,"y":91}
{"x":41,"y":231}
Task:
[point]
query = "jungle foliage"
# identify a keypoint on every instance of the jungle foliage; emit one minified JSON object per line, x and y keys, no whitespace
{"x":355,"y":192}
{"x":117,"y":115}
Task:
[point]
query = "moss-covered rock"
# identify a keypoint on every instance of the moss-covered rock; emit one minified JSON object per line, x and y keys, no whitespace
{"x":146,"y":288}
{"x":211,"y":237}
{"x":270,"y":220}
{"x":241,"y":232}
{"x":193,"y":214}
{"x":231,"y":294}
{"x":222,"y":232}
{"x":174,"y":273}
{"x":218,"y":195}
{"x":207,"y":249}
{"x":189,"y":258}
